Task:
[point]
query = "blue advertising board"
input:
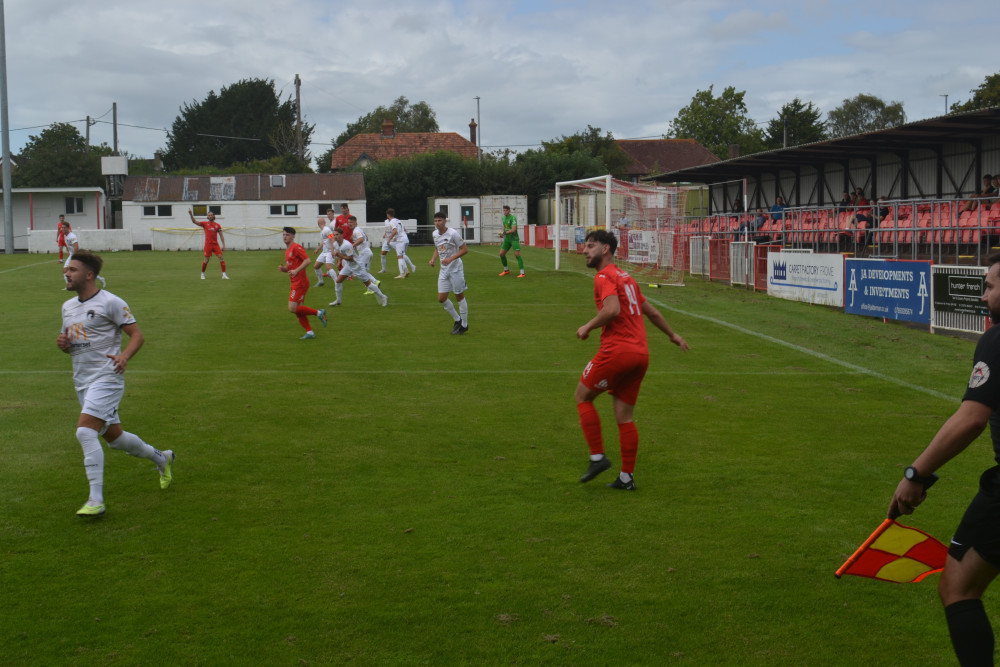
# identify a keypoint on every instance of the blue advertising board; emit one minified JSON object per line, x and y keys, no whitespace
{"x":890,"y":290}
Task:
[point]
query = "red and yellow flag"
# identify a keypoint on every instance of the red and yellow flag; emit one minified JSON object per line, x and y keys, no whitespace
{"x":897,"y":553}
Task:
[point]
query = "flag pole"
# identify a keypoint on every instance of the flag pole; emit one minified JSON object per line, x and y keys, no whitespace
{"x":857,"y":554}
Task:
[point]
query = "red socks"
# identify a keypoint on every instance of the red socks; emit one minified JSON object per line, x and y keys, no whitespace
{"x":628,"y":436}
{"x":590,"y":422}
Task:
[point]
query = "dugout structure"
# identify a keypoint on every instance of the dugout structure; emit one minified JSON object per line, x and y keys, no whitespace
{"x":648,"y":221}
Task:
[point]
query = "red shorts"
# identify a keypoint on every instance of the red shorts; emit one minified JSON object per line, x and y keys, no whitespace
{"x":620,"y":374}
{"x":298,"y":292}
{"x":213,"y":249}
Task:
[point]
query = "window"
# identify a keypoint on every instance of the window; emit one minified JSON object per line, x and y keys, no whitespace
{"x":277,"y":181}
{"x":162,"y":211}
{"x":323,"y":208}
{"x":74,"y":205}
{"x":286,"y":209}
{"x":204,"y":209}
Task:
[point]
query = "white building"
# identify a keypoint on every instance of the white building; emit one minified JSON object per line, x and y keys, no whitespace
{"x":37,"y":210}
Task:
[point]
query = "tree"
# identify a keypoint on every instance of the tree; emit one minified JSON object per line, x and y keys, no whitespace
{"x":405,"y":183}
{"x":804,"y":125}
{"x":419,"y":117}
{"x":244,"y":122}
{"x":864,"y":113}
{"x":590,"y":142}
{"x":58,"y":157}
{"x":985,"y":96}
{"x":717,"y":122}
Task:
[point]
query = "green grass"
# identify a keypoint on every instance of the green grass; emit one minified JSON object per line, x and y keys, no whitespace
{"x":392,"y":494}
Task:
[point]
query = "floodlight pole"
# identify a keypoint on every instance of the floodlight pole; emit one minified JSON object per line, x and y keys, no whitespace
{"x":8,"y":204}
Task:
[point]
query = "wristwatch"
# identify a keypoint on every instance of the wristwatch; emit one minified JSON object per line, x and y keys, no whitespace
{"x":911,"y":474}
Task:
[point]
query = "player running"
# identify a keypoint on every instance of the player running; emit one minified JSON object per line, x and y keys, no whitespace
{"x":213,"y":234}
{"x":324,"y":254}
{"x":621,"y":361}
{"x":296,"y":261}
{"x":450,"y":247}
{"x":343,"y":250}
{"x":92,"y":325}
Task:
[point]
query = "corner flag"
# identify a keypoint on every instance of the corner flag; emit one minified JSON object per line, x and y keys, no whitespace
{"x":896,"y":553}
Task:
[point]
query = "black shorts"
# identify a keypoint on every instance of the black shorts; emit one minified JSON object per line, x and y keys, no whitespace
{"x":980,"y":526}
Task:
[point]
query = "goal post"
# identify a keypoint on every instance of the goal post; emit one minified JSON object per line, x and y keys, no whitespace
{"x":647,"y":219}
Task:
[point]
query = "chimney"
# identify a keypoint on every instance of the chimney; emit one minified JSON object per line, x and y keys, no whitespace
{"x":472,"y":132}
{"x":734,"y":151}
{"x":388,"y":129}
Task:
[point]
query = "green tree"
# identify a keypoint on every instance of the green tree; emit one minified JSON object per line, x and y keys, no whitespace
{"x":805,"y":125}
{"x":244,"y":122}
{"x":58,"y":157}
{"x":717,"y":122}
{"x":591,"y":142}
{"x":406,"y":117}
{"x":405,"y":183}
{"x":985,"y":96}
{"x":864,"y":113}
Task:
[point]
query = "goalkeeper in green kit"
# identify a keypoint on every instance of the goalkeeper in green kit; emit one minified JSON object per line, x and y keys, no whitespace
{"x":510,"y":240}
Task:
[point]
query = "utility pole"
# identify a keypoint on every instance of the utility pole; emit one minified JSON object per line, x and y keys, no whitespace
{"x":945,"y":96}
{"x":298,"y":120}
{"x":114,"y":108}
{"x":479,"y":132}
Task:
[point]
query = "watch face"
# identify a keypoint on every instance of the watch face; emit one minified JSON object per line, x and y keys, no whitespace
{"x":910,"y":473}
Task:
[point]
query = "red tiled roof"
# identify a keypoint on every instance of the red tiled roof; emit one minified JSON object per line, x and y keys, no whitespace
{"x":657,"y":156}
{"x":377,"y":147}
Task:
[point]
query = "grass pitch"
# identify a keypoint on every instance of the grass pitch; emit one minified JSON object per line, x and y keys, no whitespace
{"x":389,"y":494}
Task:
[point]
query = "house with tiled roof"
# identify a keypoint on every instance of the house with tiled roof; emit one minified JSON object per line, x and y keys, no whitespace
{"x":362,"y":150}
{"x":654,"y":156}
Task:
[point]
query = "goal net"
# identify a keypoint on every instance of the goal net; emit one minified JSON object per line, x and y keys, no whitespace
{"x":648,"y":221}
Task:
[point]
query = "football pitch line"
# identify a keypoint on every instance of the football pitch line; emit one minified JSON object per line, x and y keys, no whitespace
{"x":26,"y":266}
{"x":812,"y":353}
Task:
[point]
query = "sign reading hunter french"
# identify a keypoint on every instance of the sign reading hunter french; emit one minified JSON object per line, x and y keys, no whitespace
{"x":890,"y":290}
{"x":959,"y":294}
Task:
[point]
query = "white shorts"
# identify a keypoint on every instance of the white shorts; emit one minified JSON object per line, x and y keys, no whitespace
{"x":452,"y":282}
{"x":385,"y":246}
{"x":400,"y":247}
{"x":326,"y":258}
{"x":357,"y":270}
{"x":365,"y":257}
{"x":101,"y":400}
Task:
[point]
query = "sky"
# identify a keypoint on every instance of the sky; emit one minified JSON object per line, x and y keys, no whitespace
{"x":540,"y":68}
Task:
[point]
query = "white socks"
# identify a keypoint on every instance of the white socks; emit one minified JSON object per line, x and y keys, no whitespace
{"x":93,"y":462}
{"x":339,"y":287}
{"x":450,"y":309}
{"x":463,"y":308}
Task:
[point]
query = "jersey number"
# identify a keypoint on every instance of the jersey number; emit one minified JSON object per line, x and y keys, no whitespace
{"x":633,"y":300}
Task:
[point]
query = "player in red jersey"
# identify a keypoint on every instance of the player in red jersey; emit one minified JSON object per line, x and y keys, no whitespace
{"x":621,"y":361}
{"x":342,"y":220}
{"x":296,"y":261}
{"x":61,"y":237}
{"x":213,"y":233}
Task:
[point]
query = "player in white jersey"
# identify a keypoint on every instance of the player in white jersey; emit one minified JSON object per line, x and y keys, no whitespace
{"x":324,"y":254}
{"x":398,"y":240}
{"x":92,"y":326}
{"x":362,"y":246}
{"x":450,"y":247}
{"x":352,"y":267}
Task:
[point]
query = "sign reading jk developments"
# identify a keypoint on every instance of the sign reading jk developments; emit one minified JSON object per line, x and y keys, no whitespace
{"x":891,"y":290}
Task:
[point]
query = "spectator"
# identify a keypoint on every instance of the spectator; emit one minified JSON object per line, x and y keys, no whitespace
{"x":987,"y":192}
{"x":751,"y":225}
{"x":846,"y":201}
{"x":778,"y":210}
